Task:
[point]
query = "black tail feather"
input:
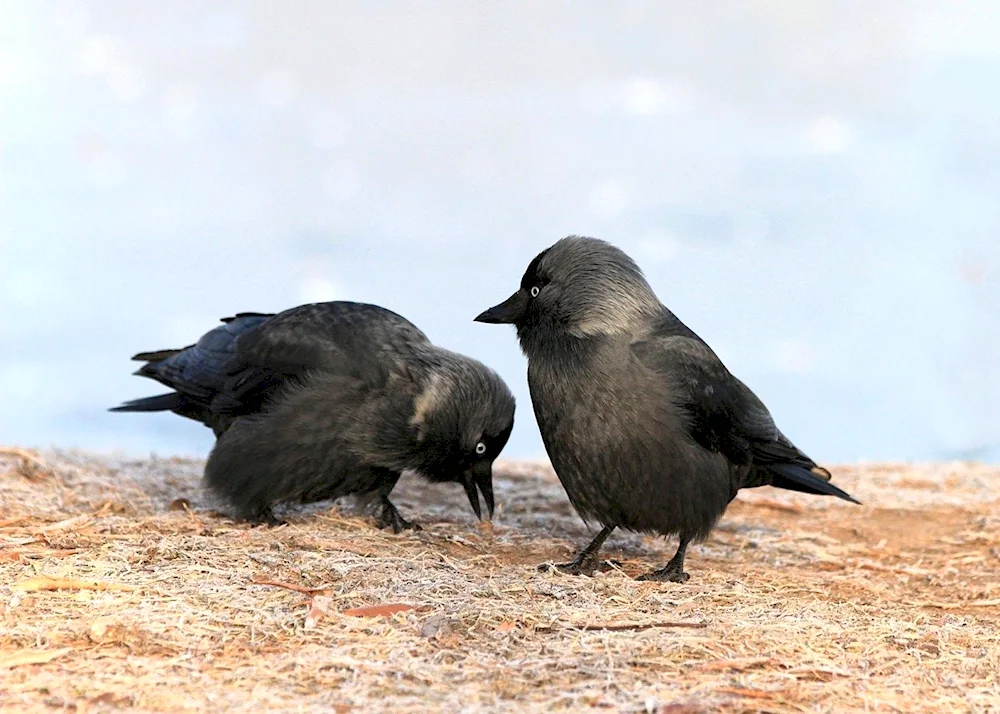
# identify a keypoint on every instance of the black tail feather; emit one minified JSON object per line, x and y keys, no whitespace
{"x":799,"y":478}
{"x":241,"y":315}
{"x":151,"y":370}
{"x":160,"y":403}
{"x":158,"y":355}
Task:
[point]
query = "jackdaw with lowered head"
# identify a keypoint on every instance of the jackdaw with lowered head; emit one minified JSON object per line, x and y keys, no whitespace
{"x":646,"y":428}
{"x":330,"y":399}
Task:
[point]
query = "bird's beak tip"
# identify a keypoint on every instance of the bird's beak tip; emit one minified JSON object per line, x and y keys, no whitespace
{"x":473,"y":494}
{"x":506,"y":313}
{"x":476,"y":482}
{"x":485,"y":317}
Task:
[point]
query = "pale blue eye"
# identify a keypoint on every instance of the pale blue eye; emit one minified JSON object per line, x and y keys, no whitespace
{"x":535,"y":291}
{"x":480,"y":448}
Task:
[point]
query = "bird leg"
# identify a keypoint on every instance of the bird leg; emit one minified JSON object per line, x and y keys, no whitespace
{"x":586,"y":563}
{"x":265,"y":517}
{"x":388,"y":516}
{"x":672,"y":572}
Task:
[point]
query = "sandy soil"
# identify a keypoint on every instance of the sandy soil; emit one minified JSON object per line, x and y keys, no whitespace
{"x":122,"y":588}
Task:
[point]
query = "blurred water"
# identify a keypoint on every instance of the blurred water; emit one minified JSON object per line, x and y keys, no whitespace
{"x":811,"y":186}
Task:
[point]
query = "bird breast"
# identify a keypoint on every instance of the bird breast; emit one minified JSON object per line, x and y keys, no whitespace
{"x":619,"y":444}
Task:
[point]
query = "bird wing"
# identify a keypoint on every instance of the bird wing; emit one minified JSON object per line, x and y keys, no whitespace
{"x":726,"y":417}
{"x":236,"y":367}
{"x":354,"y":340}
{"x":199,"y":371}
{"x":724,"y":414}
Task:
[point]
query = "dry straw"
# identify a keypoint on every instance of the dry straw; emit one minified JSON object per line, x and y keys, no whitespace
{"x":122,"y":588}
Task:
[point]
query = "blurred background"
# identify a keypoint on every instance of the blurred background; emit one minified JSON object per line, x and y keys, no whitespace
{"x":814,"y":187}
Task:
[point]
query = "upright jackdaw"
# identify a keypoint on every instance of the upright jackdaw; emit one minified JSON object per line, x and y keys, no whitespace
{"x":330,"y":399}
{"x":646,"y":428}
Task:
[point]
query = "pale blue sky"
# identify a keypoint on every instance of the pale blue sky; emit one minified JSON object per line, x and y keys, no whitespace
{"x":811,"y":186}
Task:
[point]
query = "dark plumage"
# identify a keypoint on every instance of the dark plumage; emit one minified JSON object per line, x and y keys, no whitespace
{"x":200,"y":375}
{"x":646,"y":428}
{"x":330,"y":399}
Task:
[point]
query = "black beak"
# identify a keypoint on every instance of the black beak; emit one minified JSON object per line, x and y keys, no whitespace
{"x":480,"y":475}
{"x":509,"y":312}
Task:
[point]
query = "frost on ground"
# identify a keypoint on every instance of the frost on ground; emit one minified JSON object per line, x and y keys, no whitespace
{"x":121,"y":587}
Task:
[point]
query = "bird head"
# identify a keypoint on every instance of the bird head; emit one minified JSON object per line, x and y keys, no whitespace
{"x":462,"y":419}
{"x":578,"y":286}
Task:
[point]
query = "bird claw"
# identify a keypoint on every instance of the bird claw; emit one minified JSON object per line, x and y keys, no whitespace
{"x":668,"y":574}
{"x":390,"y":517}
{"x":266,"y":517}
{"x":581,"y":566}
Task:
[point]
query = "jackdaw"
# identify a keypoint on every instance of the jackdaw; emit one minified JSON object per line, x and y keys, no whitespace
{"x":645,"y":427}
{"x":330,"y":399}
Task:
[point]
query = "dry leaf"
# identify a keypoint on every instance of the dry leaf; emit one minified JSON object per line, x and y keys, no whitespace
{"x":378,"y":610}
{"x":179,"y":504}
{"x":319,"y":606}
{"x":32,"y":657}
{"x":507,"y":626}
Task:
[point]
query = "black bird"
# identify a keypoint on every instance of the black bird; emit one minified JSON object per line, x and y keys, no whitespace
{"x":645,"y":427}
{"x":330,"y":399}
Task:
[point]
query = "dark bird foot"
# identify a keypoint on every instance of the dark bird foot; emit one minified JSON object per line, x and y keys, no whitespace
{"x":581,"y":566}
{"x":672,"y":572}
{"x":587,"y":562}
{"x":666,"y":575}
{"x":265,"y":517}
{"x":389,"y":516}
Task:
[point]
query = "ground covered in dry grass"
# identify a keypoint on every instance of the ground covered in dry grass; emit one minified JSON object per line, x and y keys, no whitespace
{"x":121,"y":588}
